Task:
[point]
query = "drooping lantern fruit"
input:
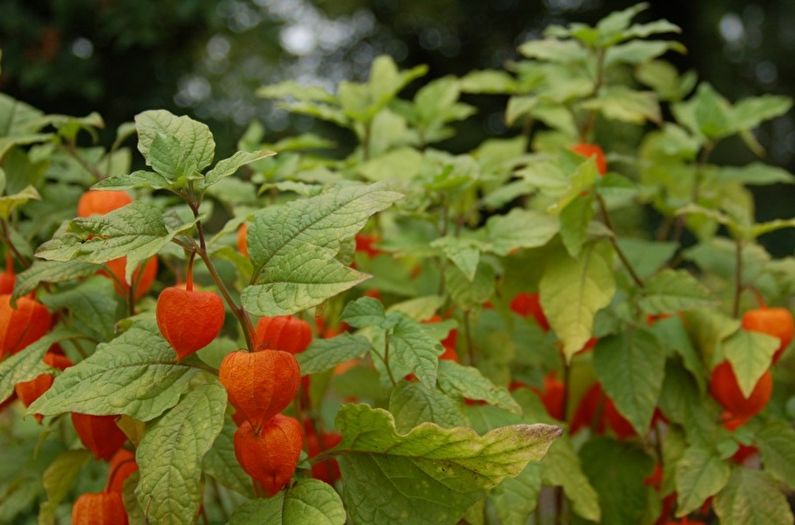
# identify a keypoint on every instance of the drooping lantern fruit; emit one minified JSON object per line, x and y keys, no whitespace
{"x":242,"y":239}
{"x":725,"y":388}
{"x":285,"y":333}
{"x":552,"y":395}
{"x":95,"y":202}
{"x":189,"y":319}
{"x":269,"y":452}
{"x":121,"y":467}
{"x":7,"y":278}
{"x":99,"y":434}
{"x":592,"y":150}
{"x":777,"y":322}
{"x":259,"y":384}
{"x":99,"y":508}
{"x":142,"y":277}
{"x":365,"y":243}
{"x":529,"y":304}
{"x":22,"y":325}
{"x":30,"y":391}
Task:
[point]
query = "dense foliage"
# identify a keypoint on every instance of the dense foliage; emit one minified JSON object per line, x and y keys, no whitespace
{"x":401,"y":334}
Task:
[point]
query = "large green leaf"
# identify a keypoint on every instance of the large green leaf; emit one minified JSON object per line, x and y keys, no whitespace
{"x":220,"y":461}
{"x":170,"y":143}
{"x":27,"y":364}
{"x":671,"y":291}
{"x":295,"y":265}
{"x":413,"y":403}
{"x":91,"y":305}
{"x":561,"y":468}
{"x":750,"y":354}
{"x":412,"y":349}
{"x":616,"y":470}
{"x":700,"y":473}
{"x":51,"y":272}
{"x":776,"y":442}
{"x":325,"y":354}
{"x":516,"y":498}
{"x":58,"y":479}
{"x":307,"y":502}
{"x":631,"y":368}
{"x":170,"y":456}
{"x":469,"y":383}
{"x":572,"y":291}
{"x":9,"y":202}
{"x":135,"y":374}
{"x":136,"y":231}
{"x":430,"y":475}
{"x":752,"y":498}
{"x":520,"y":229}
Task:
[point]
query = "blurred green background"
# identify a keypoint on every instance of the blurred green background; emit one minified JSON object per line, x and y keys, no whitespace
{"x":207,"y":57}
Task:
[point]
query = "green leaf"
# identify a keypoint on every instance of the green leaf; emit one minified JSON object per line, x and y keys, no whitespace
{"x":26,"y":365}
{"x":572,"y":291}
{"x":51,"y":272}
{"x":170,"y":455}
{"x":188,"y":144}
{"x":295,"y":265}
{"x":631,"y":368}
{"x":626,"y":105}
{"x":580,"y":181}
{"x":751,"y":355}
{"x":574,"y":221}
{"x":58,"y":479}
{"x":431,"y":475}
{"x":516,"y":498}
{"x":647,"y":256}
{"x":419,"y":308}
{"x":414,"y":403}
{"x":92,"y":306}
{"x":554,"y":50}
{"x":464,"y":253}
{"x":9,"y":203}
{"x":561,"y":468}
{"x":520,"y":229}
{"x":226,"y":167}
{"x":136,"y":179}
{"x":754,"y":174}
{"x":135,"y":231}
{"x":466,"y":293}
{"x":290,"y":89}
{"x":112,"y":380}
{"x":469,"y":383}
{"x":752,"y":498}
{"x":750,"y":112}
{"x":776,"y":442}
{"x":641,"y":51}
{"x":700,"y":473}
{"x":220,"y":461}
{"x":412,"y":349}
{"x":616,"y":470}
{"x":308,"y":501}
{"x":325,"y":354}
{"x":671,"y":291}
{"x":488,"y":81}
{"x":364,"y":312}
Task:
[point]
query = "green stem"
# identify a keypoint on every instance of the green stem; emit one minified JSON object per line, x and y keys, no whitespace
{"x":621,"y":255}
{"x":738,"y":276}
{"x":238,"y":311}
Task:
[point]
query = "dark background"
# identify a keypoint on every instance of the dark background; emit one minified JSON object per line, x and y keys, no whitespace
{"x":206,"y":58}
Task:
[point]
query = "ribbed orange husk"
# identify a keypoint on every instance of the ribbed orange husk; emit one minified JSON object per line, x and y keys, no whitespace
{"x":143,"y":277}
{"x":189,"y":320}
{"x":286,"y":333}
{"x":269,"y":453}
{"x":7,"y":281}
{"x":777,"y":322}
{"x":104,"y":508}
{"x":99,"y":434}
{"x":259,"y":384}
{"x":22,"y":325}
{"x":121,"y":467}
{"x":30,"y":391}
{"x":725,"y":389}
{"x":96,"y":202}
{"x":242,"y":239}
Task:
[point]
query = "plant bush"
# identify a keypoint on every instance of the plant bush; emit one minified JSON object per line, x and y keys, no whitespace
{"x":574,"y":324}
